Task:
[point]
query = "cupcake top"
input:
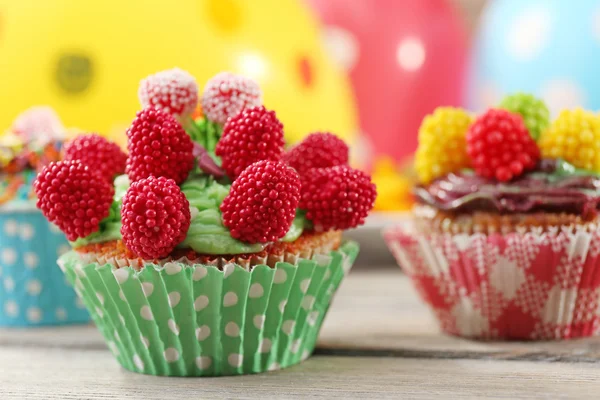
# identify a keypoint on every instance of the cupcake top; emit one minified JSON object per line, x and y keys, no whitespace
{"x":218,"y":181}
{"x":33,"y":141}
{"x":510,"y":160}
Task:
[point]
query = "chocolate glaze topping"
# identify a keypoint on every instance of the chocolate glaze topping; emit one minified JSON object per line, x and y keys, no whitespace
{"x":554,"y":186}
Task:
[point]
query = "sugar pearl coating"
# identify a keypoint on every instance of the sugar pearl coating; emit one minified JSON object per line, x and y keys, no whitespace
{"x":262,"y":202}
{"x":73,"y":197}
{"x":39,"y":122}
{"x":442,"y":143}
{"x":253,"y":135}
{"x":337,"y":197}
{"x":98,"y":153}
{"x":174,"y":91}
{"x":500,"y":146}
{"x":227,"y":94}
{"x":575,"y":137}
{"x":536,"y":115}
{"x":155,"y":217}
{"x":158,"y":146}
{"x":317,"y":150}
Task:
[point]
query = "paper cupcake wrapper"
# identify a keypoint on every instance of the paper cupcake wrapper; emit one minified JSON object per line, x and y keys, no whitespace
{"x":33,"y":290}
{"x":181,"y":320}
{"x":246,"y":261}
{"x":525,"y":285}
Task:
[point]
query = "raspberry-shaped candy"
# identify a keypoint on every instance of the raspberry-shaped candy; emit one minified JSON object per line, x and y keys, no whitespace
{"x":227,"y":94}
{"x":575,"y":137}
{"x":73,"y":197}
{"x":442,"y":145}
{"x":261,"y":204}
{"x":158,"y":146}
{"x":99,"y":154}
{"x":500,"y":146}
{"x":155,"y":217}
{"x":337,"y":198}
{"x":317,"y":150}
{"x":174,"y":91}
{"x":253,"y":135}
{"x":533,"y":110}
{"x":39,"y":122}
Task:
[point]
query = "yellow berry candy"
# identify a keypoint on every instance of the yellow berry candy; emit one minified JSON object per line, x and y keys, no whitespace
{"x":442,"y":144}
{"x":574,"y":137}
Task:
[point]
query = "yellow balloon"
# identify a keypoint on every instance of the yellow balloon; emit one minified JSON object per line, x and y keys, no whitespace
{"x":86,"y":58}
{"x":278,"y":44}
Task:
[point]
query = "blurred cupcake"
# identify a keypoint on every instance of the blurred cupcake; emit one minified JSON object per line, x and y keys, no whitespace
{"x":33,"y":291}
{"x":505,"y":241}
{"x":218,"y":252}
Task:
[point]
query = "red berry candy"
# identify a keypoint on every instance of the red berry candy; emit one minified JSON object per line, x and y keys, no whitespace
{"x":227,"y":94}
{"x":155,"y":217}
{"x":261,"y":204}
{"x":317,"y":150}
{"x":174,"y":91}
{"x":158,"y":146}
{"x":73,"y":197}
{"x":500,"y":146}
{"x":99,"y":154}
{"x":337,"y":197}
{"x":253,"y":135}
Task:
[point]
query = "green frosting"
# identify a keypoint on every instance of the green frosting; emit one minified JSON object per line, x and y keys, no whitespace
{"x":564,"y":169}
{"x":207,"y":234}
{"x":300,"y":223}
{"x":206,"y":134}
{"x":121,"y":185}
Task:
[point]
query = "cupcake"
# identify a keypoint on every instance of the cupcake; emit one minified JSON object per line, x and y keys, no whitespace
{"x":33,"y":291}
{"x":504,"y":240}
{"x":218,"y":252}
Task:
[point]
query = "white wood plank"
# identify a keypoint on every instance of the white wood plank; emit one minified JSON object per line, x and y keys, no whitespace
{"x":34,"y":373}
{"x":376,"y":310}
{"x":381,"y":311}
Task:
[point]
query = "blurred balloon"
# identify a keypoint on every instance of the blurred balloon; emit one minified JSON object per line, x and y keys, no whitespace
{"x":550,"y":48}
{"x":404,"y":58}
{"x":86,"y":58}
{"x":278,"y":44}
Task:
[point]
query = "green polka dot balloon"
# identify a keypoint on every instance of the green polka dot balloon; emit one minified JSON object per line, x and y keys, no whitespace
{"x":533,"y":110}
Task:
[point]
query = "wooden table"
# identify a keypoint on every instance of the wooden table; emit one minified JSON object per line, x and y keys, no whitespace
{"x":378,"y":342}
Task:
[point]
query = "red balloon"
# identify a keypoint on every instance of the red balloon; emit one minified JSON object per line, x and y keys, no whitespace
{"x":405,"y":58}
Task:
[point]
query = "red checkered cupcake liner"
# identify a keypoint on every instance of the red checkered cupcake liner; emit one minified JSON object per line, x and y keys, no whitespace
{"x":526,"y":285}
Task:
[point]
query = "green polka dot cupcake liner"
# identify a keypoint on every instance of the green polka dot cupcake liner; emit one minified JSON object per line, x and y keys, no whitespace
{"x":177,"y":319}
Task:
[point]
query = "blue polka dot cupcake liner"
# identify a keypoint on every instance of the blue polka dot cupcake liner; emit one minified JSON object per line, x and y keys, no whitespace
{"x":177,"y":319}
{"x":33,"y":290}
